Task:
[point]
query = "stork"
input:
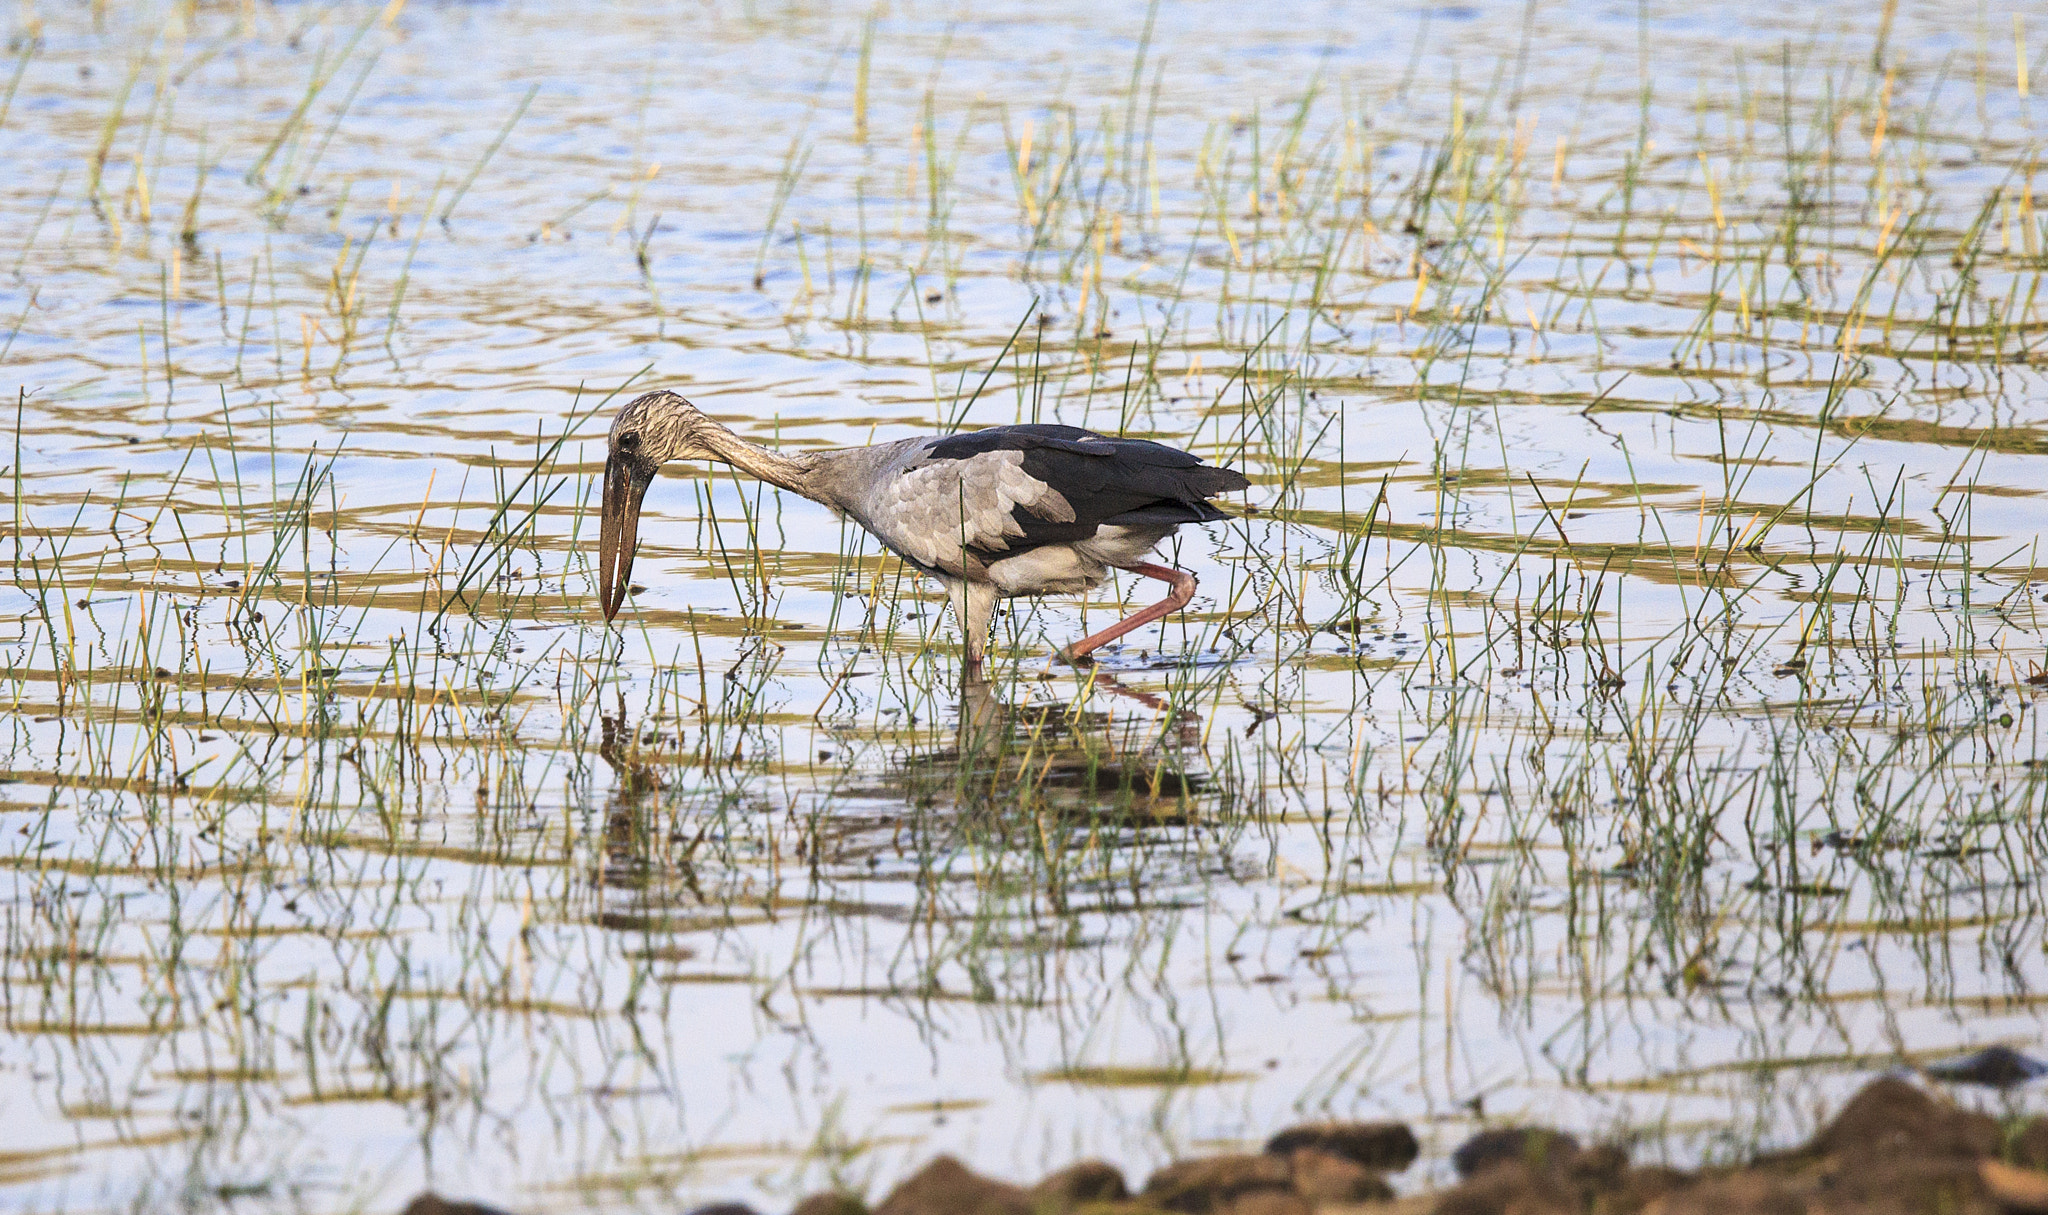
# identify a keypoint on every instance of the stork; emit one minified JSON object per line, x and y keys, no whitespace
{"x":992,"y":514}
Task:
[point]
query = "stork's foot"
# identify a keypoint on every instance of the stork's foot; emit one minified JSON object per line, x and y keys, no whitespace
{"x":1183,"y":584}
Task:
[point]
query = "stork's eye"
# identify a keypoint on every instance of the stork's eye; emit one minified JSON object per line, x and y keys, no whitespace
{"x":629,"y":442}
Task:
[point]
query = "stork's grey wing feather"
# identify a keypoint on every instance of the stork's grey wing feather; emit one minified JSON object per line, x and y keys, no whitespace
{"x":940,"y":512}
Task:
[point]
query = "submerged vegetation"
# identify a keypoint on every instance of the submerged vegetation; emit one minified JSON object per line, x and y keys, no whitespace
{"x":1615,"y":699}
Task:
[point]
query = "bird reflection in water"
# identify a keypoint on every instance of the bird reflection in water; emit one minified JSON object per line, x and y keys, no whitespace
{"x":1041,"y":767}
{"x":637,"y":856}
{"x":1081,"y":758}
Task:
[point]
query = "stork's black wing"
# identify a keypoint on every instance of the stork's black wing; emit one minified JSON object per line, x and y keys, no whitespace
{"x":1100,"y":480}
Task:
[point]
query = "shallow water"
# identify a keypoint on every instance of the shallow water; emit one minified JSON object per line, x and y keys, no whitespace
{"x":1612,"y":706}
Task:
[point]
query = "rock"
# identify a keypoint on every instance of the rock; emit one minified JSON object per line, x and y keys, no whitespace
{"x":1890,"y":1117}
{"x":1638,"y":1188}
{"x":1510,"y":1187}
{"x":2015,"y":1189}
{"x":831,"y":1204}
{"x":947,"y":1187}
{"x":1532,"y":1145}
{"x":1321,"y":1176}
{"x":1268,"y":1202}
{"x":1993,"y":1067}
{"x":2028,"y":1148}
{"x":1872,"y":1183}
{"x":1213,"y":1183}
{"x":431,"y":1203}
{"x":1895,"y":1148}
{"x":1736,"y":1194}
{"x":1086,"y":1182}
{"x":1599,"y":1168}
{"x":1387,"y":1147}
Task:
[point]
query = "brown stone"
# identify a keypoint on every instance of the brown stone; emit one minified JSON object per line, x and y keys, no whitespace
{"x":1510,"y":1187}
{"x":1735,"y":1194}
{"x":2015,"y":1189}
{"x":2028,"y":1147}
{"x":1325,"y":1177}
{"x":831,"y":1204}
{"x":1636,"y":1189}
{"x":1267,"y":1202}
{"x":1090,"y":1181}
{"x":1599,"y":1168}
{"x":1869,"y":1184}
{"x":431,"y":1203}
{"x":1212,"y":1183}
{"x":1532,"y":1145}
{"x":1386,"y":1147}
{"x":1893,"y":1149}
{"x":1889,"y":1117}
{"x":947,"y":1187}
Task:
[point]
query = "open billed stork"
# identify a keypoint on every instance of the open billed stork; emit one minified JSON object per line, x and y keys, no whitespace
{"x":992,"y":514}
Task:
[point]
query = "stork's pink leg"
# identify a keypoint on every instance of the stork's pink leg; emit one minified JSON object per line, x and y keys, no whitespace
{"x":1183,"y":590}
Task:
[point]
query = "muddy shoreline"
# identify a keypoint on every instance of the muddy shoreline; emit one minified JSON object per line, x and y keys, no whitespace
{"x":1895,"y":1148}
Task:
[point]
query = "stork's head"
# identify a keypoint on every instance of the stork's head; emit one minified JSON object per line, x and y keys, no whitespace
{"x":648,"y":433}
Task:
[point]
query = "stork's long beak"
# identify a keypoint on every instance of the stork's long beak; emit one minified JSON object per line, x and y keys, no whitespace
{"x":625,"y":486}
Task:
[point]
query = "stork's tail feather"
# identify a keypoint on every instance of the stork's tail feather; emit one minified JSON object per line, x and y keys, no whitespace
{"x":1189,"y":486}
{"x":1209,"y":481}
{"x":1168,"y":514}
{"x":1184,"y":495}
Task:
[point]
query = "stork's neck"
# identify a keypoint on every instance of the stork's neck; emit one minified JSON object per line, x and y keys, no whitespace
{"x":792,"y":473}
